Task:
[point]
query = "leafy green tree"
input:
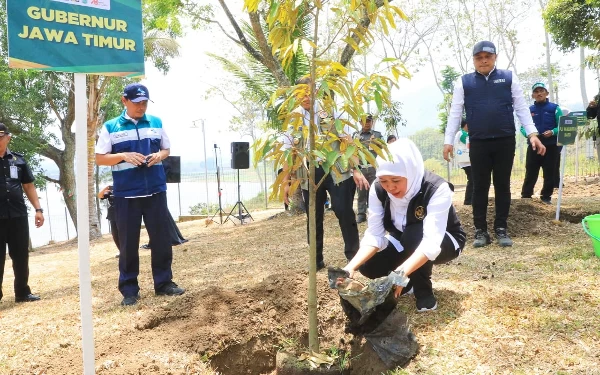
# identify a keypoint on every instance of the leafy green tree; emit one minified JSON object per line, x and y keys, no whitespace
{"x":446,"y":84}
{"x":331,"y":84}
{"x":574,"y":23}
{"x":392,"y":117}
{"x":39,"y":107}
{"x":429,"y":140}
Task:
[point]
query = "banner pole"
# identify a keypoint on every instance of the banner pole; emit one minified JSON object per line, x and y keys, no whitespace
{"x":83,"y":227}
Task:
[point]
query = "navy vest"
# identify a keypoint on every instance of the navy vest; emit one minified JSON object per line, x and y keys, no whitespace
{"x":489,"y":105}
{"x":544,"y":118}
{"x":417,"y":208}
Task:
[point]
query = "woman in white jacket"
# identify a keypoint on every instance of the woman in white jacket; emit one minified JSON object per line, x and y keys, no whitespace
{"x":411,"y":224}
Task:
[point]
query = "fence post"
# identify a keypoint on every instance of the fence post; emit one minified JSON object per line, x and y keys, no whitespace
{"x":49,"y":217}
{"x":576,"y":158}
{"x":448,"y":170}
{"x":265,"y":184}
{"x":67,"y":223}
{"x":179,"y":197}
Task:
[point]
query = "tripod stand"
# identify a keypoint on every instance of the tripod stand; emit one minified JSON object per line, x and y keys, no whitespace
{"x":241,"y":208}
{"x":220,"y":210}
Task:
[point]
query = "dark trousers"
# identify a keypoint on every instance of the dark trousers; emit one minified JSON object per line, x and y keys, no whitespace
{"x":114,"y":230}
{"x":469,"y":189}
{"x":557,"y":168}
{"x":491,"y":159}
{"x":129,"y":213}
{"x":387,"y":260}
{"x":15,"y":233}
{"x":342,"y":198}
{"x":533,"y":162}
{"x":363,"y":194}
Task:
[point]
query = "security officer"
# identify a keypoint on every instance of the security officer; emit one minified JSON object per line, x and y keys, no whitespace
{"x":366,"y":135}
{"x":16,"y":178}
{"x":135,"y":144}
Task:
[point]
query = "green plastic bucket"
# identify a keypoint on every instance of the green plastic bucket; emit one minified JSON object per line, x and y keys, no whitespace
{"x":591,"y":226}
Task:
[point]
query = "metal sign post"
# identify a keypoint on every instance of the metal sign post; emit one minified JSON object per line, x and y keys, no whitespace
{"x":567,"y":133}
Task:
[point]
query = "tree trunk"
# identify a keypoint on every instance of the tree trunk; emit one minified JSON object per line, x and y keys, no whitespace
{"x":94,"y":94}
{"x":548,"y":62}
{"x":584,"y":97}
{"x":313,"y":320}
{"x":297,"y":205}
{"x":67,"y":182}
{"x":97,"y":184}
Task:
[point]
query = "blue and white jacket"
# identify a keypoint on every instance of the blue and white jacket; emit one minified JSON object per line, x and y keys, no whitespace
{"x":121,"y":134}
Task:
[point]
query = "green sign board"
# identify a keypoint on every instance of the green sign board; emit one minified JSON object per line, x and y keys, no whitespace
{"x":567,"y":130}
{"x":79,"y":36}
{"x":582,"y":119}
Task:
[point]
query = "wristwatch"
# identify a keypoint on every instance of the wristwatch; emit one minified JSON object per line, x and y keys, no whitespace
{"x":39,"y":210}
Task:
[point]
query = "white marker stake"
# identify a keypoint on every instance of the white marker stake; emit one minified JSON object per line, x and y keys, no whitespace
{"x":563,"y":161}
{"x":83,"y":225}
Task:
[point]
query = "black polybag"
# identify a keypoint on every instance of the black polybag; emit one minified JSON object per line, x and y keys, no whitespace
{"x":371,"y":311}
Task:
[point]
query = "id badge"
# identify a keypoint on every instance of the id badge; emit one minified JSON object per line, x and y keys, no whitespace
{"x":14,"y":172}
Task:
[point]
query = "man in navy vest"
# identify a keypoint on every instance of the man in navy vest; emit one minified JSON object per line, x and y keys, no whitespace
{"x":134,"y":144}
{"x":489,"y":97}
{"x":545,"y":116}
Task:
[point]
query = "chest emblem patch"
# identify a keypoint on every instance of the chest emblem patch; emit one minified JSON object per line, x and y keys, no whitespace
{"x":420,"y":213}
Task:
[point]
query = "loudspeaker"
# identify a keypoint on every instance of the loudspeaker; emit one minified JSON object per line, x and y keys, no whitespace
{"x":240,"y":155}
{"x":172,"y":166}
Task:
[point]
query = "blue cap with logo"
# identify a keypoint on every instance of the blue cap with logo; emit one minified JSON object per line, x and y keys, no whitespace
{"x":136,"y":92}
{"x":538,"y":84}
{"x":484,"y":46}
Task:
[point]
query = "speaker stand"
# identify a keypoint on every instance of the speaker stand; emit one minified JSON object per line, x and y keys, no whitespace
{"x":240,"y":206}
{"x":220,"y":211}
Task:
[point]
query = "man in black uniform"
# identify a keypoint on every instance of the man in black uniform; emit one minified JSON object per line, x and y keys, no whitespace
{"x":16,"y":178}
{"x":593,"y":113}
{"x":366,"y":135}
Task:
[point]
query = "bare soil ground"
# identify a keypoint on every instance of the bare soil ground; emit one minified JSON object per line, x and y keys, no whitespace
{"x":529,"y":309}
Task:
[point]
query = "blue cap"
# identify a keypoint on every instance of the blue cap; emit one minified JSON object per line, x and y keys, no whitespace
{"x":538,"y":84}
{"x":136,"y":92}
{"x":484,"y":46}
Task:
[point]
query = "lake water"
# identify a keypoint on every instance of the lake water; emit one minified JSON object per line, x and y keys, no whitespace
{"x":59,"y":227}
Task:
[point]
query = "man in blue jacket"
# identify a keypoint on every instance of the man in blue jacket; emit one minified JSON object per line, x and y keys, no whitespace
{"x":135,"y":144}
{"x":489,"y":97}
{"x":545,"y":117}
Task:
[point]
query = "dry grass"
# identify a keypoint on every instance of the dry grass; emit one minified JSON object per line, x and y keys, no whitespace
{"x":529,"y":309}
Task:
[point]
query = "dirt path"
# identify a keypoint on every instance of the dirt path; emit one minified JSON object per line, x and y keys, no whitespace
{"x":529,"y":309}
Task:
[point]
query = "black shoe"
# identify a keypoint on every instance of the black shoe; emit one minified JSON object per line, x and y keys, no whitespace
{"x":145,"y":247}
{"x":546,"y":200}
{"x":28,"y":298}
{"x":428,"y":303}
{"x":130,"y":300}
{"x":467,"y":203}
{"x":523,"y":197}
{"x":503,"y":238}
{"x":171,"y":289}
{"x":482,"y":238}
{"x":361,"y":219}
